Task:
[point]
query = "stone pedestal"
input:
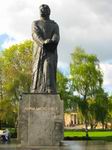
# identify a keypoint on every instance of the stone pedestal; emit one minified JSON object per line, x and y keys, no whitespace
{"x":40,"y":120}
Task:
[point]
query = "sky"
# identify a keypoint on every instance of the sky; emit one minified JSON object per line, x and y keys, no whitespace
{"x":84,"y":23}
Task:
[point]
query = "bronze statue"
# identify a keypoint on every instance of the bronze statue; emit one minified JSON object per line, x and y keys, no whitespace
{"x":45,"y":33}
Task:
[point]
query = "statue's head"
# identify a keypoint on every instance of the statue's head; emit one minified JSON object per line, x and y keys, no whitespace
{"x":44,"y":10}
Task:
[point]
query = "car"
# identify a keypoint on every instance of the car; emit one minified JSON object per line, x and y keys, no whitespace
{"x":5,"y":135}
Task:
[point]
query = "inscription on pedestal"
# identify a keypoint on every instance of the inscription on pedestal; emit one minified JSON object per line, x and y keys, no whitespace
{"x":41,"y":120}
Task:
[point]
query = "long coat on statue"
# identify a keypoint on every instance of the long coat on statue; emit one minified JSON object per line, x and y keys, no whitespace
{"x":44,"y":56}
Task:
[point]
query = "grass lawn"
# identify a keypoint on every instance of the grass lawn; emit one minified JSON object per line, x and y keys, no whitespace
{"x":93,"y":135}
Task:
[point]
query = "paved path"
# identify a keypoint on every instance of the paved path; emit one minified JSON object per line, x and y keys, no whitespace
{"x":68,"y":145}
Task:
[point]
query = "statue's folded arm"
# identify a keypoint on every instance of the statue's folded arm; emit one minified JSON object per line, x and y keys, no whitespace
{"x":36,"y":34}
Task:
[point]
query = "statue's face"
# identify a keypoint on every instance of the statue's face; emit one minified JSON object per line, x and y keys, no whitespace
{"x":44,"y":10}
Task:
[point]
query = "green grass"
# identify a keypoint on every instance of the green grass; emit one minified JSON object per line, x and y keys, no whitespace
{"x":93,"y":135}
{"x":74,"y":133}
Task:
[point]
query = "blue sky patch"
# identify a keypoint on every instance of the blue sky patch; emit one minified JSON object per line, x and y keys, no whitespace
{"x":5,"y":38}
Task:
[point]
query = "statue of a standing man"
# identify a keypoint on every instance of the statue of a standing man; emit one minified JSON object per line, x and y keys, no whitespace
{"x":45,"y":33}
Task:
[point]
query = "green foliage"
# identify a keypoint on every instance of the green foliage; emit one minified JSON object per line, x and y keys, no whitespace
{"x":17,"y":63}
{"x":15,"y":78}
{"x":64,"y":89}
{"x":101,"y":106}
{"x":110,"y":109}
{"x":8,"y":112}
{"x":86,"y":78}
{"x":85,"y":72}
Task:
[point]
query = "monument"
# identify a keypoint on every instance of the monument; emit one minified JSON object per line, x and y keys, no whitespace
{"x":41,"y":111}
{"x":45,"y":33}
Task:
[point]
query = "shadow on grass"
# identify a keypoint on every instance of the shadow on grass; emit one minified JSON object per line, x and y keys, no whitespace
{"x":75,"y":138}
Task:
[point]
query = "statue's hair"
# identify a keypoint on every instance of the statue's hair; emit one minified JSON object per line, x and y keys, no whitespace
{"x":45,"y":6}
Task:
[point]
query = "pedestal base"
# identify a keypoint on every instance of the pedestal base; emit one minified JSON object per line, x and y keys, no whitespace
{"x":41,"y":120}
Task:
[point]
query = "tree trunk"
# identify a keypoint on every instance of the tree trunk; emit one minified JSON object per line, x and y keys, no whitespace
{"x":0,"y":124}
{"x":92,"y":126}
{"x":103,"y":126}
{"x":86,"y":128}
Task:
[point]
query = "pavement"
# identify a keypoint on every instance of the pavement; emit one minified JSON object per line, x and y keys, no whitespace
{"x":67,"y":145}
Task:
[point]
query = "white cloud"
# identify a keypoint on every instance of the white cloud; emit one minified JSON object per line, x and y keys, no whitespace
{"x":82,"y":23}
{"x":107,"y":72}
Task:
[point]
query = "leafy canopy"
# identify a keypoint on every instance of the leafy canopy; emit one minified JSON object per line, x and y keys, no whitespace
{"x":85,"y":72}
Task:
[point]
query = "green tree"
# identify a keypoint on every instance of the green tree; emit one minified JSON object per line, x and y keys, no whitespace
{"x":16,"y":77}
{"x":86,"y":77}
{"x":1,"y":87}
{"x":109,"y":117}
{"x":17,"y":64}
{"x":101,"y":106}
{"x":1,"y":78}
{"x":91,"y":112}
{"x":8,"y":112}
{"x":64,"y":89}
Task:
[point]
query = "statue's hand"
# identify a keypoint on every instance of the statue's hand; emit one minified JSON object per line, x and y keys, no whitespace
{"x":49,"y":45}
{"x":47,"y":41}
